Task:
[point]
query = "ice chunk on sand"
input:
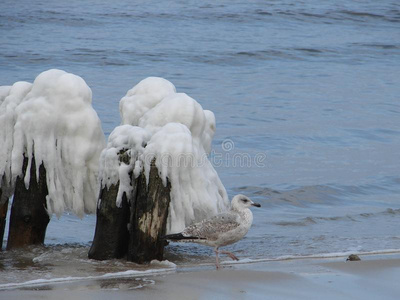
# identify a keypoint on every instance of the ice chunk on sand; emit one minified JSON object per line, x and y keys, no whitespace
{"x":56,"y":123}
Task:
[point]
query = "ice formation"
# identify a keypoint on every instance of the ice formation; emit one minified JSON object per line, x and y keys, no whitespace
{"x":174,"y":129}
{"x":10,"y":98}
{"x":196,"y":190}
{"x":56,"y":123}
{"x":143,"y":97}
{"x":4,"y":91}
{"x":123,"y":138}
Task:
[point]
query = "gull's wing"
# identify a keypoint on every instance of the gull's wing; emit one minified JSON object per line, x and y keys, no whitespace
{"x":210,"y":229}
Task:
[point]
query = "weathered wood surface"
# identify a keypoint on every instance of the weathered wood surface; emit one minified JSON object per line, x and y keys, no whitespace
{"x":5,"y":192}
{"x":149,"y":213}
{"x":29,"y":218}
{"x":111,"y":235}
{"x":134,"y":230}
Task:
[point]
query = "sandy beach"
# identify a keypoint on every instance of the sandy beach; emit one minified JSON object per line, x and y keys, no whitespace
{"x":374,"y":277}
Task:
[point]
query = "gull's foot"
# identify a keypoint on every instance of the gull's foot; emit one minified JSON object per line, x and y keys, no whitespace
{"x":231,"y":255}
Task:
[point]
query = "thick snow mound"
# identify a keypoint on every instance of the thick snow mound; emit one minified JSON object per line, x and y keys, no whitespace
{"x":142,"y":97}
{"x":10,"y":98}
{"x":56,"y":123}
{"x":153,"y":103}
{"x":180,"y":108}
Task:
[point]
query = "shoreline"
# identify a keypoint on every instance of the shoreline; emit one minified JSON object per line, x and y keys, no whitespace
{"x":308,"y":278}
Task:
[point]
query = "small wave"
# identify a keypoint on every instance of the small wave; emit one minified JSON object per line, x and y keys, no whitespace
{"x":391,"y":211}
{"x":334,"y":16}
{"x":263,"y":12}
{"x":300,"y":196}
{"x":378,"y":46}
{"x":387,"y":212}
{"x":361,"y":14}
{"x":286,"y":12}
{"x":267,"y":54}
{"x":313,"y":15}
{"x":353,"y":218}
{"x":164,"y":263}
{"x":303,"y":222}
{"x":310,"y":50}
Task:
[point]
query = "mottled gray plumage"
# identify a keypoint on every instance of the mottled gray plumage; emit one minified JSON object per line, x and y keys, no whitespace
{"x":221,"y":230}
{"x":209,"y":230}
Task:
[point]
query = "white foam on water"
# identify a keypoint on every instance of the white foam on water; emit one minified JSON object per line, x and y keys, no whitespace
{"x":124,"y":274}
{"x":164,"y":263}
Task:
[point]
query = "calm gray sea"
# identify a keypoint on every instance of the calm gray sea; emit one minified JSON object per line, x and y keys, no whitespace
{"x":306,"y":96}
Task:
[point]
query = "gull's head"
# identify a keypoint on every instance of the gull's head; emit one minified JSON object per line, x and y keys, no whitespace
{"x":241,"y":202}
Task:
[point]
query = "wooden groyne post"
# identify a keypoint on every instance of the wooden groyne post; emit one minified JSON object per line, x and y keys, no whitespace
{"x":136,"y":228}
{"x":29,"y":217}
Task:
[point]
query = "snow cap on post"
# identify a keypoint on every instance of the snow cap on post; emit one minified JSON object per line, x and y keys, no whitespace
{"x":57,"y":126}
{"x":179,"y":138}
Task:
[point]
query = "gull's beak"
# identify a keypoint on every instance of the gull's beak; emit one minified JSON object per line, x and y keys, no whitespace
{"x":255,"y":204}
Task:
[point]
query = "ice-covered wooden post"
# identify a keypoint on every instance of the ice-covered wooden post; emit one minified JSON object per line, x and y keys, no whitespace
{"x":53,"y":146}
{"x":10,"y":98}
{"x":111,"y":233}
{"x":132,"y":211}
{"x":168,"y":182}
{"x":133,"y":228}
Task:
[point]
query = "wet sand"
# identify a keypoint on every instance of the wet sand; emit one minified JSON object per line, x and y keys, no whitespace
{"x":374,"y":277}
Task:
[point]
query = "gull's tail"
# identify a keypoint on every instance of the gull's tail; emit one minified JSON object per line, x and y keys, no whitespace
{"x":180,"y":237}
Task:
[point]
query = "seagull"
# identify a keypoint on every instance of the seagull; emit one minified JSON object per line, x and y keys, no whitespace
{"x":221,"y":230}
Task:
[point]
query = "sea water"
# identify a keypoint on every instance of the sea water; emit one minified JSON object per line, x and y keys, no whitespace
{"x":307,"y":100}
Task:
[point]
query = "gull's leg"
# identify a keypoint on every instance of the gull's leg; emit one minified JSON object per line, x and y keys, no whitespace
{"x":216,"y":258}
{"x":230,"y":254}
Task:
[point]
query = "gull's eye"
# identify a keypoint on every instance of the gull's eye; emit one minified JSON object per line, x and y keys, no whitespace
{"x":245,"y":200}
